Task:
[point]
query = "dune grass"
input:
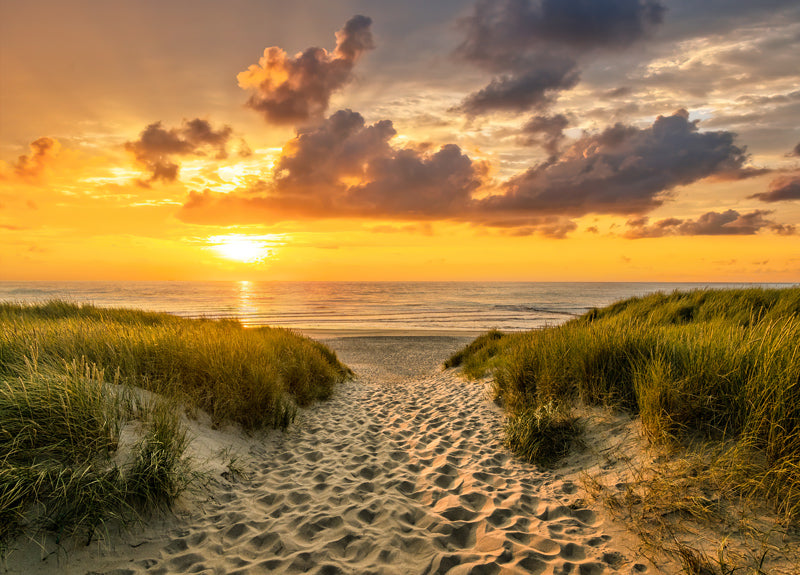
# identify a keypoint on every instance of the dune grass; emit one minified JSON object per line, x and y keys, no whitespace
{"x":253,"y":377}
{"x":542,"y":434}
{"x":717,"y":367}
{"x":59,"y":439}
{"x":70,"y":387}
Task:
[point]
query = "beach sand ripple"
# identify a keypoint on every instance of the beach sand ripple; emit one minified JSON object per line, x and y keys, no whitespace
{"x":402,"y":471}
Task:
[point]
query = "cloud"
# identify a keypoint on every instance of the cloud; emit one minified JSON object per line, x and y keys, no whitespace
{"x":727,"y":223}
{"x":784,"y":229}
{"x":622,"y":170}
{"x":30,"y":166}
{"x":712,"y":66}
{"x":546,"y":131}
{"x":294,"y":89}
{"x":689,"y":18}
{"x":617,"y":93}
{"x":781,"y":189}
{"x":534,"y":47}
{"x":338,"y":147}
{"x":157,"y":146}
{"x":424,"y":228}
{"x":411,"y":183}
{"x":500,"y":30}
{"x":555,"y":228}
{"x":518,"y":92}
{"x":345,"y":168}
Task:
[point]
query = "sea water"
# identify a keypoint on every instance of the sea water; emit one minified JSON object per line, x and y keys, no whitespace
{"x":435,"y":307}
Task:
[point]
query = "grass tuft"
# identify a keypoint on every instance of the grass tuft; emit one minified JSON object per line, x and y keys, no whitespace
{"x":253,"y":377}
{"x":80,"y":445}
{"x":542,"y":434}
{"x":720,"y":367}
{"x":60,"y":438}
{"x":475,"y":359}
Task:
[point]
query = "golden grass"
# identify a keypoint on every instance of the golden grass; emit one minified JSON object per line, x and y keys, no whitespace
{"x":68,"y":379}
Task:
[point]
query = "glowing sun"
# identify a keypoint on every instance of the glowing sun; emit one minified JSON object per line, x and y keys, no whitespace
{"x":240,"y":248}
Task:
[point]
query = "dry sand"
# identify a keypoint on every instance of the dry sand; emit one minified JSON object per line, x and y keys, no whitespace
{"x":402,"y":471}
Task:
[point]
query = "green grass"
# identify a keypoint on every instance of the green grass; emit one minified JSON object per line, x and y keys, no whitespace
{"x":541,"y":434}
{"x":68,"y":390}
{"x":476,"y":359}
{"x":720,"y":367}
{"x":59,"y":437}
{"x":253,"y":377}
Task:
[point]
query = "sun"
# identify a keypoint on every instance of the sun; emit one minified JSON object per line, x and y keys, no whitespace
{"x":241,"y":248}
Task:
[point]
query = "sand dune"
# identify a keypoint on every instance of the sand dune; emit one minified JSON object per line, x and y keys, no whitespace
{"x":401,"y":472}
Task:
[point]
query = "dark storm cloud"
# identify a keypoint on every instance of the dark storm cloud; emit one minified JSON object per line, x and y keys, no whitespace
{"x":728,"y":223}
{"x":290,"y":89}
{"x":157,"y":146}
{"x":796,"y":150}
{"x":535,"y":46}
{"x":546,"y":131}
{"x":781,"y":189}
{"x":42,"y":150}
{"x":622,"y":170}
{"x":346,"y":168}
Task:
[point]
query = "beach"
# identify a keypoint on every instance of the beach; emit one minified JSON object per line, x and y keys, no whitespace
{"x":402,"y":471}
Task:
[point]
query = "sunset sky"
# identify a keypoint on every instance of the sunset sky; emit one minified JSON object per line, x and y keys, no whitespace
{"x":608,"y":140}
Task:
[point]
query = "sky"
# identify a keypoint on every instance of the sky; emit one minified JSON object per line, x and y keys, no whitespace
{"x":531,"y":140}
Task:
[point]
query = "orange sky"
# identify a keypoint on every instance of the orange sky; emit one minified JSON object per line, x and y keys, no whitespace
{"x":466,"y":141}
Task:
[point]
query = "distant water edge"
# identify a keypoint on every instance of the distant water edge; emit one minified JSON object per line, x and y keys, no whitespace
{"x":435,"y":307}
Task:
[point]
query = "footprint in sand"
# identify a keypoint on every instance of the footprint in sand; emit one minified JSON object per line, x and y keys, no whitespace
{"x":393,"y":475}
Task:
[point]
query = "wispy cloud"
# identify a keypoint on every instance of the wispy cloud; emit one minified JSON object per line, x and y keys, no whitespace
{"x":31,"y":165}
{"x":781,"y":189}
{"x":727,"y":223}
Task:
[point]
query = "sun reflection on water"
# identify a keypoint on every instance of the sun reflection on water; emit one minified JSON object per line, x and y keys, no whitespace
{"x":245,"y":306}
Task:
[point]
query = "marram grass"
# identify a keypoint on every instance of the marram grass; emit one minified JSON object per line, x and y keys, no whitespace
{"x":542,"y":434}
{"x":59,"y":437}
{"x":68,"y":388}
{"x":254,"y":377}
{"x":716,"y":366}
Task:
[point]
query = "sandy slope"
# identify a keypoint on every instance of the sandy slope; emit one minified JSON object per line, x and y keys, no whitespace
{"x":401,"y":472}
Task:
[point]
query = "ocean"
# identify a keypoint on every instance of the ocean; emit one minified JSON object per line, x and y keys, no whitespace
{"x":421,"y":307}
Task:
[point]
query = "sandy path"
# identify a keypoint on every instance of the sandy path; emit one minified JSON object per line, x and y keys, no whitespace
{"x":401,"y":472}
